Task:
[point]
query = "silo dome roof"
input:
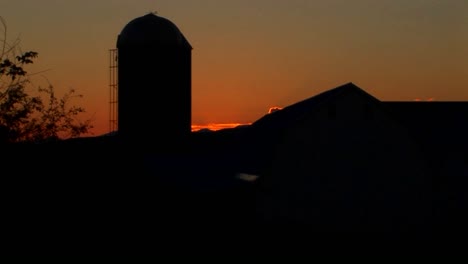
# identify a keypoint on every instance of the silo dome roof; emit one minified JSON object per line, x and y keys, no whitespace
{"x":151,"y":29}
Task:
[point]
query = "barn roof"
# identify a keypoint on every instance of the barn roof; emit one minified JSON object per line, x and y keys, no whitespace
{"x":265,"y":132}
{"x":290,"y":114}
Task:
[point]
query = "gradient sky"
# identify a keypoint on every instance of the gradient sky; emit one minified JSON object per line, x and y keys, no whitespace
{"x":250,"y":55}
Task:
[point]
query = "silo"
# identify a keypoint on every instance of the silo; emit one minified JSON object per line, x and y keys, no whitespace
{"x":154,"y":75}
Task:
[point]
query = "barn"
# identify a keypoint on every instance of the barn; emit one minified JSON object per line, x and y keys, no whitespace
{"x":341,"y":162}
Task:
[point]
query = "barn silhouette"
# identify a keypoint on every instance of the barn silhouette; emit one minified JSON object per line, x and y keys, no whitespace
{"x":340,"y":161}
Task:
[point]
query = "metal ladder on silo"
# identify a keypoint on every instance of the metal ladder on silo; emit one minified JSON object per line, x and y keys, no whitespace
{"x":113,"y":90}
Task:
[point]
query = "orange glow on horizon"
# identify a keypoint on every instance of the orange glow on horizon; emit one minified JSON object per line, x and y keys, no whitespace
{"x":274,"y":108}
{"x":217,"y":126}
{"x":432,"y":99}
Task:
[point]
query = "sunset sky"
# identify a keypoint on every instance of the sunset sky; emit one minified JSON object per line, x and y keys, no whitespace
{"x":250,"y":55}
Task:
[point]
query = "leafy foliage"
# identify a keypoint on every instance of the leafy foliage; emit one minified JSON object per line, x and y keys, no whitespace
{"x":27,"y":118}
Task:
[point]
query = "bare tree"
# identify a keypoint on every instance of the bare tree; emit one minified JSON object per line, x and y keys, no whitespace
{"x":24,"y":117}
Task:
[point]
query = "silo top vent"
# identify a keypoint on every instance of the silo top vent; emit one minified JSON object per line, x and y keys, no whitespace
{"x":152,"y":30}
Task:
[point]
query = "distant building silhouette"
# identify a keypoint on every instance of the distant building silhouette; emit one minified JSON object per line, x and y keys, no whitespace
{"x":154,"y":76}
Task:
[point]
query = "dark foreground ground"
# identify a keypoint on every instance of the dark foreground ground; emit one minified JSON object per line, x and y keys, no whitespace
{"x":103,"y":196}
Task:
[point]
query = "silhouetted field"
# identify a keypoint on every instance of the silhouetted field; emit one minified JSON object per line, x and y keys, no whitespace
{"x":96,"y":177}
{"x":93,"y":194}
